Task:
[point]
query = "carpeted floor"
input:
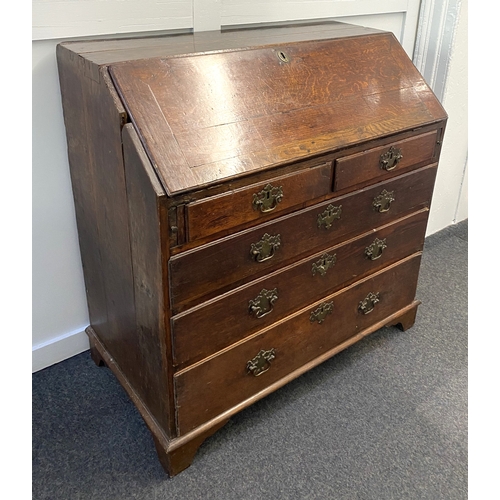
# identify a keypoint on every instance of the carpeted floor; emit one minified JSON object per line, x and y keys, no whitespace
{"x":384,"y":419}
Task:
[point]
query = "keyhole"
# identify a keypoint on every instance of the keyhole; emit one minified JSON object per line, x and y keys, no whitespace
{"x":283,"y":56}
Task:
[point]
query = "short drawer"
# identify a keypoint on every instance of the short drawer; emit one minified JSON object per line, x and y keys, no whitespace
{"x":215,"y":268}
{"x":216,"y":324}
{"x":232,"y":376}
{"x":384,"y":161}
{"x":258,"y":201}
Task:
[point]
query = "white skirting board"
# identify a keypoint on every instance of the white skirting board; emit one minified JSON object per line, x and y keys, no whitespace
{"x":59,"y":349}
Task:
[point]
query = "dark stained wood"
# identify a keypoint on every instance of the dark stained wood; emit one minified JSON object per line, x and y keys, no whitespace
{"x":213,"y":386}
{"x":373,"y":327}
{"x":74,"y":91}
{"x":170,"y":137}
{"x":361,"y":167}
{"x":406,"y":320}
{"x":252,"y":111}
{"x":218,"y":267}
{"x":93,"y":119}
{"x":360,"y":121}
{"x":263,"y":177}
{"x":230,"y":210}
{"x":255,"y":83}
{"x":108,"y":51}
{"x":229,"y":320}
{"x":149,"y":372}
{"x":174,"y":458}
{"x":95,"y":354}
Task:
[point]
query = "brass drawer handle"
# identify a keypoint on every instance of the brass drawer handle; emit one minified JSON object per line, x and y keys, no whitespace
{"x":374,"y":251}
{"x":267,"y":199}
{"x":389,"y":160}
{"x":323,"y":264}
{"x":321,"y":312}
{"x":382,"y":202}
{"x":261,"y":363}
{"x":366,"y":306}
{"x":330,"y":214}
{"x":265,"y":248}
{"x":263,"y":303}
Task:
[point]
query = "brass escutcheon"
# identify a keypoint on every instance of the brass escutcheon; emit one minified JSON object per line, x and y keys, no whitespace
{"x":382,"y":202}
{"x":267,"y":199}
{"x":263,"y":303}
{"x":390,"y":159}
{"x":366,"y":306}
{"x":374,"y":251}
{"x":330,"y":214}
{"x":261,"y":363}
{"x":323,"y":264}
{"x":265,"y":248}
{"x":282,"y":56}
{"x":321,"y":312}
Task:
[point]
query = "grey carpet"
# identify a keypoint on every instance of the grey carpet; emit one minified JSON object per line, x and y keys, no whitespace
{"x":384,"y":419}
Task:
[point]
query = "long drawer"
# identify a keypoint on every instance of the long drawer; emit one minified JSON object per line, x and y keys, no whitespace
{"x":228,"y":378}
{"x":216,"y":324}
{"x":215,"y":268}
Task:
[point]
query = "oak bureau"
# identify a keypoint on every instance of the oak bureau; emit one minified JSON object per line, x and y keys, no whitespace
{"x":249,"y":203}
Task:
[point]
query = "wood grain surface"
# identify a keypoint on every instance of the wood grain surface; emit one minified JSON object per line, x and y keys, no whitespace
{"x":228,"y":211}
{"x":365,"y":166}
{"x":218,"y":267}
{"x":172,"y":141}
{"x":216,"y":324}
{"x":212,"y":117}
{"x":213,"y":386}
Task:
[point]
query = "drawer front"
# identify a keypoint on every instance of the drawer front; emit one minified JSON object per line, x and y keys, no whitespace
{"x":385,"y":161}
{"x":257,"y":202}
{"x":234,"y":375}
{"x":231,"y":317}
{"x":215,"y":268}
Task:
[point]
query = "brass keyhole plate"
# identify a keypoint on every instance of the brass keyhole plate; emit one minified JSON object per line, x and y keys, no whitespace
{"x":282,"y":56}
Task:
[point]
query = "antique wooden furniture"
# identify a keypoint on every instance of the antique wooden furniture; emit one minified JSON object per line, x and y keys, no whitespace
{"x":249,"y":203}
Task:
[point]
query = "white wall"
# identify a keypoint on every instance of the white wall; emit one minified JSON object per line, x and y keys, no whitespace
{"x":78,"y":18}
{"x":59,"y":303}
{"x":452,"y":180}
{"x":441,"y":56}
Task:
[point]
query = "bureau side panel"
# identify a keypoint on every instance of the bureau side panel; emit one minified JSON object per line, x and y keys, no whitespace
{"x":74,"y":87}
{"x":149,"y":372}
{"x":94,"y":118}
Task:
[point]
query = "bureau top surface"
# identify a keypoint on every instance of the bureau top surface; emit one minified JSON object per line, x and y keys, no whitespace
{"x":238,"y":108}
